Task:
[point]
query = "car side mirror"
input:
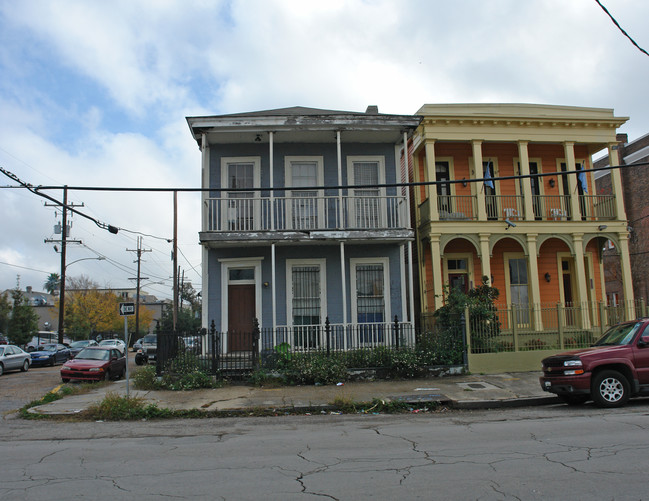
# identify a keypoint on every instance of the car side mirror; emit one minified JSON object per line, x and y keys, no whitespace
{"x":644,"y":342}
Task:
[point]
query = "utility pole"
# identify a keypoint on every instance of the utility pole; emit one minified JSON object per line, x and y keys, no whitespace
{"x":139,"y":252}
{"x":175,"y":260}
{"x":63,"y":242}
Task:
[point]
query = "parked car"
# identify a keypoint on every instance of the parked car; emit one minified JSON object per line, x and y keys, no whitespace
{"x":44,"y":337}
{"x":3,"y":339}
{"x":77,"y":346}
{"x":614,"y":369}
{"x":13,"y":358}
{"x":50,"y":354}
{"x":137,"y":345}
{"x":117,"y":343}
{"x":95,"y":363}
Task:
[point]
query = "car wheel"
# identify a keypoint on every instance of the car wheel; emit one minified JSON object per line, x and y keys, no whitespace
{"x":610,"y":389}
{"x":573,"y":399}
{"x":30,"y":349}
{"x":51,"y":364}
{"x":2,"y":369}
{"x":107,"y":375}
{"x":25,"y":367}
{"x":65,"y":380}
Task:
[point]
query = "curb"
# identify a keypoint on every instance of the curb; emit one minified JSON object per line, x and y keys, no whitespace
{"x":506,"y":403}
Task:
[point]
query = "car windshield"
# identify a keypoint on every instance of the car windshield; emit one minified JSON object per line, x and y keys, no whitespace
{"x":149,"y":339}
{"x":106,"y":342}
{"x":619,"y":335}
{"x":48,"y":347}
{"x":89,"y":354}
{"x":79,"y":344}
{"x":2,"y":351}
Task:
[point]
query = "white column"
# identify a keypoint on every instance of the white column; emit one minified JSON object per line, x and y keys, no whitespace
{"x":533,"y":267}
{"x":436,"y":263}
{"x":616,"y":181}
{"x":339,"y":155}
{"x":205,"y":276}
{"x":405,"y":189}
{"x":411,"y":285}
{"x":271,"y":147}
{"x":478,"y":188}
{"x":485,"y":257}
{"x":343,"y":281}
{"x":273,"y":267}
{"x":431,"y":174}
{"x":524,"y":161}
{"x":571,"y":166}
{"x":582,"y":286}
{"x":627,"y":282}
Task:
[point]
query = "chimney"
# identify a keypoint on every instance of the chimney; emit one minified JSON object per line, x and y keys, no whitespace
{"x":622,"y":138}
{"x":372,"y":109}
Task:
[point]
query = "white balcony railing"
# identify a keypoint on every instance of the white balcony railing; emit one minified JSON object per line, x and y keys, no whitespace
{"x":307,"y":213}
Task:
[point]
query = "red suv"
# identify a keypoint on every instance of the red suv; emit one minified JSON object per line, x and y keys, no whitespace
{"x":614,"y":369}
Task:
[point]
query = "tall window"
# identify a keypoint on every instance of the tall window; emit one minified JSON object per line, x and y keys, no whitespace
{"x":370,"y":293}
{"x":304,"y":205}
{"x":442,"y":175}
{"x":306,"y":295}
{"x":240,"y":208}
{"x":535,"y":182}
{"x":518,"y":287}
{"x":306,"y":302}
{"x":367,"y":201}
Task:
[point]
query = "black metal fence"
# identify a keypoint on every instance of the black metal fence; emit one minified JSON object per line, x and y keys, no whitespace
{"x":235,"y":354}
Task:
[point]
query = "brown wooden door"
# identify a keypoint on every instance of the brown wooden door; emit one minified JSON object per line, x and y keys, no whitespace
{"x":241,"y":316}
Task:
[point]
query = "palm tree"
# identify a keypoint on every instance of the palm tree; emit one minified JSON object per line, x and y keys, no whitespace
{"x":53,"y":283}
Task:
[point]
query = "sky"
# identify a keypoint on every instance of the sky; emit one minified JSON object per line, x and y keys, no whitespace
{"x":95,"y":94}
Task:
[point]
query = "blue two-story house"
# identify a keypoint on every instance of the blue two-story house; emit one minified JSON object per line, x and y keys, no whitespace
{"x":306,"y":219}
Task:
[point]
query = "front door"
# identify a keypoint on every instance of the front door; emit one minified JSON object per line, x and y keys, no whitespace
{"x":241,"y":316}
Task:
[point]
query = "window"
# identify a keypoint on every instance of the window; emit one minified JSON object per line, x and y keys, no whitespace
{"x":535,"y":182}
{"x":306,"y":301}
{"x":240,"y":209}
{"x":443,"y":174}
{"x":304,"y":206}
{"x":367,"y":208}
{"x":370,"y":300}
{"x":458,"y":274}
{"x":518,"y":289}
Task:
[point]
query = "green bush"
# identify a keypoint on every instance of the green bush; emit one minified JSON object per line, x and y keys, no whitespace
{"x":145,"y":378}
{"x":181,"y":373}
{"x":315,"y":368}
{"x":117,"y":408}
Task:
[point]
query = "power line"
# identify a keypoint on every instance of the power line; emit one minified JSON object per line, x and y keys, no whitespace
{"x":621,"y":29}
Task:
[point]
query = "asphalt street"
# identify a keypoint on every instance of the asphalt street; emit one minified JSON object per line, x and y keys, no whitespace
{"x":549,"y":452}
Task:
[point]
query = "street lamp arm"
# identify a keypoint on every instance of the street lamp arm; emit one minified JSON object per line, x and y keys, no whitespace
{"x":100,"y":258}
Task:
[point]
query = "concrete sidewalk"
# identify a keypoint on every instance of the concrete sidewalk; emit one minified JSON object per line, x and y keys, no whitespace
{"x":464,"y":392}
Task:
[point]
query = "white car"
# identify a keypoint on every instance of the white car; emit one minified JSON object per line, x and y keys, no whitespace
{"x":13,"y":358}
{"x":118,"y":343}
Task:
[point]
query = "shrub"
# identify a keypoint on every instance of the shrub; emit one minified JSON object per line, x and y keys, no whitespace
{"x":145,"y":378}
{"x":181,"y":373}
{"x":117,"y":408}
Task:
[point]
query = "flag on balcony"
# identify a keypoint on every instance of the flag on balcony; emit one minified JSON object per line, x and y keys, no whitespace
{"x":487,"y":176}
{"x":582,"y":179}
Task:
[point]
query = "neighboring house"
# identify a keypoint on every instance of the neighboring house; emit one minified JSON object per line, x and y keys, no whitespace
{"x":299,"y":226}
{"x":537,"y":239}
{"x":635,"y":184}
{"x":44,"y":306}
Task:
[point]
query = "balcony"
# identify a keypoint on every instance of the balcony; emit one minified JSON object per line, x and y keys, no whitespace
{"x":512,"y":207}
{"x":308,"y":213}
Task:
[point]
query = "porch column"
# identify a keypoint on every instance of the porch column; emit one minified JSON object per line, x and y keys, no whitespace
{"x":271,"y":162}
{"x":343,"y":282}
{"x":205,"y":277}
{"x":571,"y":165}
{"x":273,"y":267}
{"x":411,"y":285}
{"x":582,"y":286}
{"x":415,"y":177}
{"x":341,"y":212}
{"x":436,"y":263}
{"x":533,"y":266}
{"x":478,"y":188}
{"x":405,"y":190}
{"x":627,"y":282}
{"x":431,"y":174}
{"x":485,"y":257}
{"x":524,"y":160}
{"x":616,"y":181}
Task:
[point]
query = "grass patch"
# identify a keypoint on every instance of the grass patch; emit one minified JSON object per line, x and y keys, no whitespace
{"x":118,"y":408}
{"x":52,"y":396}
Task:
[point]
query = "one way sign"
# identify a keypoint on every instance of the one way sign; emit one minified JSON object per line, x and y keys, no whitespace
{"x":126,"y":309}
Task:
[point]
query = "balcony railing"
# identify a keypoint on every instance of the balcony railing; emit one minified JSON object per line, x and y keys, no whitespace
{"x":307,"y":213}
{"x":512,"y":207}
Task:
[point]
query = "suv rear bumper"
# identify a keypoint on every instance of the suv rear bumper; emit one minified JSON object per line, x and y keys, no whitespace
{"x":566,"y":385}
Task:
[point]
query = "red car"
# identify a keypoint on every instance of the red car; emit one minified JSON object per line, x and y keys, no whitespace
{"x":95,"y":363}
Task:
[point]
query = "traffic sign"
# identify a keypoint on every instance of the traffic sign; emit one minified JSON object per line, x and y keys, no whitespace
{"x":126,"y":309}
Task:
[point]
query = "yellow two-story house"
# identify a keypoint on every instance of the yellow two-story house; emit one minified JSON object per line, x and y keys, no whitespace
{"x":501,"y":195}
